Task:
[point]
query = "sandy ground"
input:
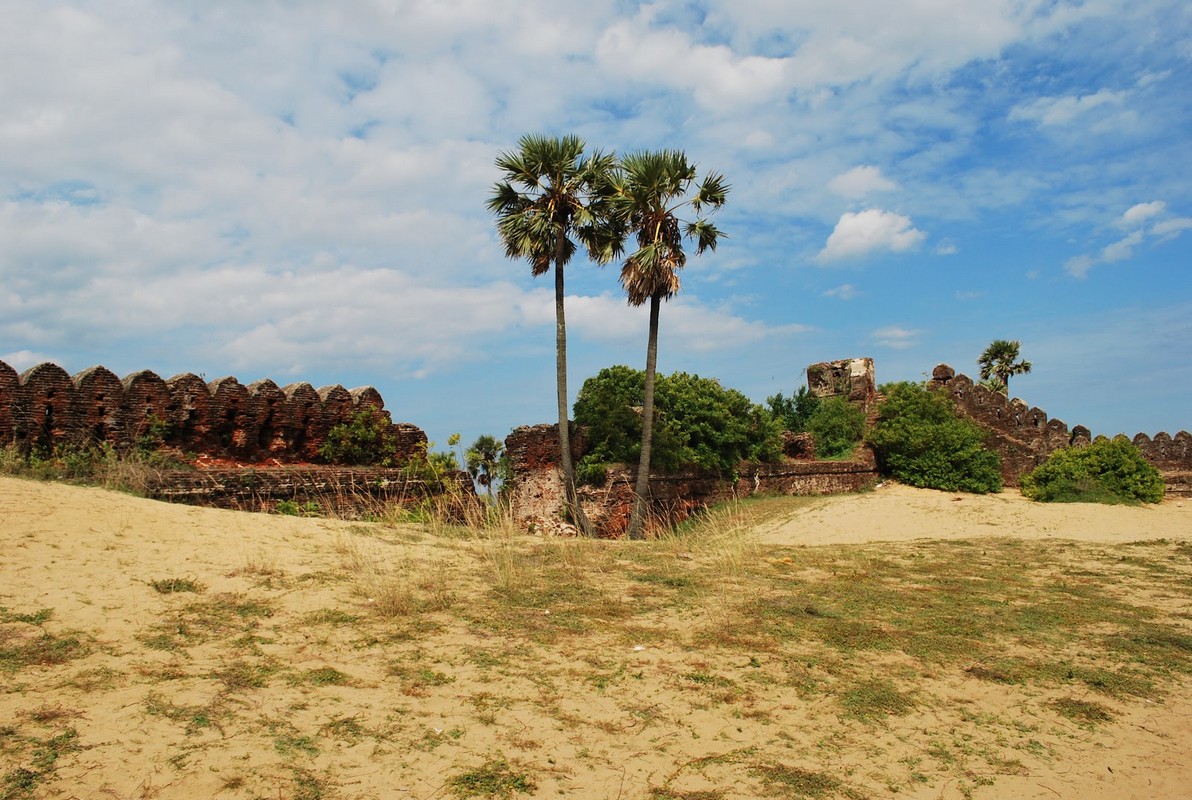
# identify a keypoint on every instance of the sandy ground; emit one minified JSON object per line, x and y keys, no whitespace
{"x":427,"y":699}
{"x":894,"y":513}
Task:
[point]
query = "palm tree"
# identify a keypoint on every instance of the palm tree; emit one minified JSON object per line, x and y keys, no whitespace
{"x":483,"y":458}
{"x":551,"y":197}
{"x":651,"y":188}
{"x":999,"y":362}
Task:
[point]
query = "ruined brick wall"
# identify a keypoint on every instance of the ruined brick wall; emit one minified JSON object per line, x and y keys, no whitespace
{"x":850,"y":378}
{"x":536,"y":491}
{"x":343,"y":491}
{"x":1024,"y":436}
{"x":45,"y":407}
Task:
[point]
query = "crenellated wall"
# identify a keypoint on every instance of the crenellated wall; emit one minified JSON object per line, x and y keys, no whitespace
{"x":44,"y":407}
{"x":1024,"y":436}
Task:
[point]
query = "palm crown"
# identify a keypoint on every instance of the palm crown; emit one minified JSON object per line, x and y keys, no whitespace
{"x":999,"y":362}
{"x":649,"y":189}
{"x":550,"y":193}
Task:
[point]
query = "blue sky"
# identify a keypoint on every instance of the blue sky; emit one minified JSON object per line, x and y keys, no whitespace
{"x":296,"y":190}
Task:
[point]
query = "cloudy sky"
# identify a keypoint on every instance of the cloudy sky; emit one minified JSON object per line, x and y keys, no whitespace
{"x":296,"y":190}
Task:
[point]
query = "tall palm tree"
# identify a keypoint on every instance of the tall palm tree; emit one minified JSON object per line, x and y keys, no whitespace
{"x":1000,"y":361}
{"x":651,"y":189}
{"x":483,"y":459}
{"x":551,"y":197}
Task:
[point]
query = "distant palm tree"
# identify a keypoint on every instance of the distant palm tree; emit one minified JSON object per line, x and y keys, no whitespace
{"x":651,"y":188}
{"x":551,"y":197}
{"x":483,"y":458}
{"x":999,"y":362}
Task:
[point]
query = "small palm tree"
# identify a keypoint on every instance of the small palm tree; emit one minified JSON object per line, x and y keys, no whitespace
{"x":553,"y":196}
{"x":999,"y":362}
{"x":651,"y":188}
{"x":483,"y":458}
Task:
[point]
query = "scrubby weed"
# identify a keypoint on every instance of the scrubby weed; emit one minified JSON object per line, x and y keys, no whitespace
{"x":38,"y":758}
{"x":100,"y":464}
{"x":21,"y":647}
{"x":494,"y":778}
{"x":394,"y":585}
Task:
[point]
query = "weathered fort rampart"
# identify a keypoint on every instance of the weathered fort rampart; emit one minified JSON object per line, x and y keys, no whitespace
{"x":258,"y":443}
{"x":536,"y":492}
{"x":1021,"y":435}
{"x":44,"y":407}
{"x":1024,"y":436}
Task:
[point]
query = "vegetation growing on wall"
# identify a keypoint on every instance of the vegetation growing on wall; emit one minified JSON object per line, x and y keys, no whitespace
{"x":1106,"y":471}
{"x":793,"y":412}
{"x":837,"y":425}
{"x":921,"y":441}
{"x":365,"y":440}
{"x":697,"y":423}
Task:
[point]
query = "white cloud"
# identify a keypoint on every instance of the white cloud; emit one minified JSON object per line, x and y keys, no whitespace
{"x":895,"y":337}
{"x":22,"y":360}
{"x":946,"y":248}
{"x":1141,"y":212}
{"x":715,"y":75}
{"x":1121,"y":249}
{"x":686,"y":324}
{"x":1135,"y":219}
{"x":861,"y":181}
{"x":846,"y":291}
{"x":1049,"y":111}
{"x":1079,"y":266}
{"x":1172,"y":227}
{"x":873,"y":229}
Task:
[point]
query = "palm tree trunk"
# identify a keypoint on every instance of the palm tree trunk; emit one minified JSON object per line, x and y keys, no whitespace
{"x":570,"y":497}
{"x":641,"y":491}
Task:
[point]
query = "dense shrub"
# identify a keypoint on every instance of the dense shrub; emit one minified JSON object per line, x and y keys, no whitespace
{"x":921,"y":441}
{"x":793,"y":412}
{"x":1102,"y":472}
{"x":837,"y":426}
{"x":697,"y":423}
{"x":365,"y":440}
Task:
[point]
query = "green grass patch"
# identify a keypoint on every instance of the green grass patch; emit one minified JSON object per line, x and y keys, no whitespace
{"x":38,"y":617}
{"x":874,"y":700}
{"x":785,"y":781}
{"x":325,"y":676}
{"x":1083,"y":711}
{"x":494,"y":778}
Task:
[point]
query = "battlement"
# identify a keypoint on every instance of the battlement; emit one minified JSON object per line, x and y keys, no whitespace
{"x":45,"y":407}
{"x":1024,"y":436}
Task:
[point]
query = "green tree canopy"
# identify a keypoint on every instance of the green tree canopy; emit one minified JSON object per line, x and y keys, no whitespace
{"x":698,"y":423}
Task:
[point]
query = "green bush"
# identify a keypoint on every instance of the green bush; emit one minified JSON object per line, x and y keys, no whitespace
{"x":837,"y":426}
{"x":921,"y":441}
{"x":793,"y":412}
{"x":367,"y":439}
{"x":697,"y":423}
{"x":1102,"y":472}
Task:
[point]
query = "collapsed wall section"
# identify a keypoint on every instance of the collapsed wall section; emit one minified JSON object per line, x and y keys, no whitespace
{"x":536,"y":490}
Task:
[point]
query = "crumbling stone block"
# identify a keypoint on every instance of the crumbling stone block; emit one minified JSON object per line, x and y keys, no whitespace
{"x":850,"y":378}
